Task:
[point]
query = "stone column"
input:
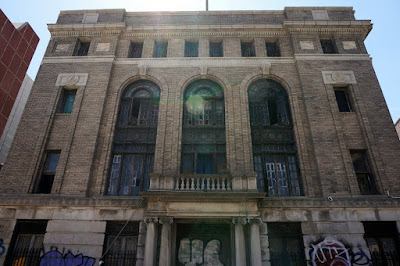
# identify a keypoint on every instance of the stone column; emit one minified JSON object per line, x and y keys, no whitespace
{"x":150,"y":248}
{"x":165,"y":247}
{"x":255,"y":246}
{"x":240,"y":246}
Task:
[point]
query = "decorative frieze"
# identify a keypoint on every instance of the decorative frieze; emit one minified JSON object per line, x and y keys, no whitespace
{"x":239,"y":220}
{"x":349,"y":45}
{"x":103,"y":47}
{"x":307,"y":45}
{"x":61,"y":47}
{"x":339,"y":77}
{"x":72,"y":79}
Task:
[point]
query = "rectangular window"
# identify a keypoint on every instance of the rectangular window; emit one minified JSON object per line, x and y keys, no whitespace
{"x":272,"y":49}
{"x":343,"y":99}
{"x":26,"y":247}
{"x":286,"y":244}
{"x":216,"y":49}
{"x":67,"y":101}
{"x":48,"y":173}
{"x":121,"y":250}
{"x":328,"y":47}
{"x":81,"y":48}
{"x":363,"y":172}
{"x":160,"y":49}
{"x":382,"y":240}
{"x":191,"y":49}
{"x":248,"y":49}
{"x":135,"y":50}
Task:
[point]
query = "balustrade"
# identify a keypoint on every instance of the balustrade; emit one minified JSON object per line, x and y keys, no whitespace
{"x":203,"y":183}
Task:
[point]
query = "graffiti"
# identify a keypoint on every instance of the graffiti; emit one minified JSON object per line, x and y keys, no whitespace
{"x":192,"y":253}
{"x":2,"y":248}
{"x":330,"y":252}
{"x":55,"y":258}
{"x":360,"y":258}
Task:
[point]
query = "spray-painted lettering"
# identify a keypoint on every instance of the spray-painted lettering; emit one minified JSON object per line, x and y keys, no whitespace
{"x":330,"y":252}
{"x":55,"y":258}
{"x":360,"y":258}
{"x":2,"y":248}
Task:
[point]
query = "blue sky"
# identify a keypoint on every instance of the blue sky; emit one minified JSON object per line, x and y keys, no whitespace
{"x":381,"y":43}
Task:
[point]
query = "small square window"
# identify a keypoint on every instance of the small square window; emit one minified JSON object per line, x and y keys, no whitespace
{"x":67,"y":101}
{"x":328,"y":46}
{"x":343,"y":99}
{"x":363,"y":172}
{"x":248,"y":49}
{"x":272,"y":49}
{"x":48,"y":172}
{"x":191,"y":49}
{"x":216,"y":49}
{"x":135,"y":50}
{"x":81,"y":48}
{"x":160,"y":49}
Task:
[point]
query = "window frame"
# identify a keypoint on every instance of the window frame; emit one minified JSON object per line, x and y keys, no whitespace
{"x":347,"y":105}
{"x":135,"y":50}
{"x":191,"y":48}
{"x":216,"y":52}
{"x":249,"y":51}
{"x":82,"y":47}
{"x":373,"y":189}
{"x":160,"y":49}
{"x":47,"y":176}
{"x":63,"y":104}
{"x":277,"y":51}
{"x":328,"y":49}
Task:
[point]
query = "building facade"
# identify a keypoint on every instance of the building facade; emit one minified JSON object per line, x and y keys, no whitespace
{"x":18,"y":43}
{"x":204,"y":138}
{"x":397,"y":126}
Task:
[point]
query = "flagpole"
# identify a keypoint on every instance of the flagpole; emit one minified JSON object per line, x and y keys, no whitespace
{"x":206,"y":5}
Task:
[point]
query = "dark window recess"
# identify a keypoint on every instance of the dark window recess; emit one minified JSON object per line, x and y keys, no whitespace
{"x":363,"y":172}
{"x":328,"y":47}
{"x":272,"y":49}
{"x":216,"y":49}
{"x":82,"y":48}
{"x":26,"y":247}
{"x":203,"y":144}
{"x":343,"y":100}
{"x":383,"y":242}
{"x":67,"y":101}
{"x":134,"y":141}
{"x":135,"y":50}
{"x":248,"y":49}
{"x":286,"y":244}
{"x":274,"y":148}
{"x":121,"y":250}
{"x":160,"y":49}
{"x":191,"y":49}
{"x":48,"y":173}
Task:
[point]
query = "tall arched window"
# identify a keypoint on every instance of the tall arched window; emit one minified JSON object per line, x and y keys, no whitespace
{"x":134,"y":139}
{"x":203,"y":133}
{"x":274,"y":147}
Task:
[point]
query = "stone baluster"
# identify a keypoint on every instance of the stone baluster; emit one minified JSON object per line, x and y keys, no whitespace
{"x":255,"y":246}
{"x":166,"y":244}
{"x":151,"y":241}
{"x":240,"y":245}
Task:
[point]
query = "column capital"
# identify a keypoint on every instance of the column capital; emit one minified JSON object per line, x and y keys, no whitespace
{"x":148,"y":220}
{"x":255,"y":221}
{"x":164,"y":220}
{"x":239,"y":220}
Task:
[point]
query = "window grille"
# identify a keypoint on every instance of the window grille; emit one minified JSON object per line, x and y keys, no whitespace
{"x":135,"y":50}
{"x":216,"y":49}
{"x":191,"y":49}
{"x":248,"y":49}
{"x":272,"y":49}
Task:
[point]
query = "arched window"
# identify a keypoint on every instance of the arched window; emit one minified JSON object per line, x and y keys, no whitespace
{"x":274,"y":147}
{"x":203,"y":133}
{"x":134,"y":139}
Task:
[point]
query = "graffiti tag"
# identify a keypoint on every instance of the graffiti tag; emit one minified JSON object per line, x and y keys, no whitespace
{"x":2,"y":248}
{"x":55,"y":258}
{"x":330,"y":252}
{"x":360,"y":258}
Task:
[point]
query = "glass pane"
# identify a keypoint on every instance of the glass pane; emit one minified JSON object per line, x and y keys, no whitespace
{"x":69,"y":99}
{"x":204,"y":164}
{"x":51,"y":162}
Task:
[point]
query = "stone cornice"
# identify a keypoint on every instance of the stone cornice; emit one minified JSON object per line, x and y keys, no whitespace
{"x":337,"y":202}
{"x":86,"y":29}
{"x":335,"y":57}
{"x":8,"y":200}
{"x":78,"y":59}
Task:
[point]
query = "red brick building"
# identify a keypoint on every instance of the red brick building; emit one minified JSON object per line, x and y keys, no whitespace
{"x":17,"y":45}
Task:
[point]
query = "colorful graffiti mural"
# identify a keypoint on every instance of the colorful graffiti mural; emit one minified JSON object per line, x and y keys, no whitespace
{"x":330,"y":252}
{"x":55,"y":258}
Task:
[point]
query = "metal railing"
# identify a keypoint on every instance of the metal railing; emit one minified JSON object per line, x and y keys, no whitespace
{"x":385,"y":258}
{"x":25,"y":257}
{"x":287,"y":259}
{"x":120,"y":259}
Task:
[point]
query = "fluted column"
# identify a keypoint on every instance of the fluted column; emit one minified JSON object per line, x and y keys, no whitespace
{"x":255,"y":246}
{"x":240,"y":245}
{"x":165,"y":247}
{"x":151,"y":242}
